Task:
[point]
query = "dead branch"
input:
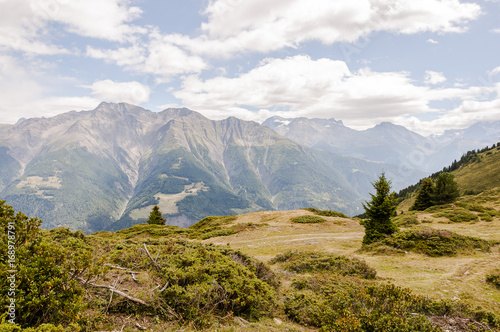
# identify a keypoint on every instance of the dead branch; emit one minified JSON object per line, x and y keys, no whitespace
{"x":111,"y":288}
{"x":120,"y":268}
{"x":139,"y":326}
{"x":149,"y":255}
{"x":164,"y":287}
{"x":110,"y":299}
{"x":170,"y":311}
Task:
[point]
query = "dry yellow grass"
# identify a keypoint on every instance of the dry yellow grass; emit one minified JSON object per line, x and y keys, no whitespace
{"x":453,"y":278}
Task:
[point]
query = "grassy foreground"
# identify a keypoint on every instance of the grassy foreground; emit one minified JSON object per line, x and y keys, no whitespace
{"x":264,"y":271}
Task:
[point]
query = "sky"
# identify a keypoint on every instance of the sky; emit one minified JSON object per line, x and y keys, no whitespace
{"x":429,"y":65}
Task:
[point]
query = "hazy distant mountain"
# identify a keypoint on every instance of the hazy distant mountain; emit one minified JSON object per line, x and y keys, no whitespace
{"x":388,"y":143}
{"x":385,"y":142}
{"x":479,"y":132}
{"x":453,"y":143}
{"x":106,"y":168}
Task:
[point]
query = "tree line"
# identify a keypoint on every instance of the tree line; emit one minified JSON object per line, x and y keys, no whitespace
{"x":466,"y":159}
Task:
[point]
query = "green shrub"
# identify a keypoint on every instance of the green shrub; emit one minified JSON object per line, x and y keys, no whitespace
{"x":9,"y":327}
{"x":494,"y":279}
{"x":457,"y":215}
{"x":485,"y":217}
{"x":46,"y":328}
{"x":216,"y":233}
{"x":334,"y":303}
{"x":302,"y":262}
{"x":406,"y":220}
{"x":308,"y":220}
{"x":433,"y":242}
{"x":212,"y":221}
{"x":326,"y":213}
{"x":203,"y":281}
{"x":213,"y":227}
{"x":472,"y":207}
{"x":45,"y":292}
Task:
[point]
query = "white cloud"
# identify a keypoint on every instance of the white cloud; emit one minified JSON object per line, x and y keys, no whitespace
{"x":276,"y":82}
{"x":496,"y":30}
{"x":432,"y":41}
{"x":26,"y":25}
{"x":104,"y":19}
{"x":128,"y":92}
{"x":263,"y":26}
{"x":316,"y":88}
{"x":17,"y":89}
{"x":164,"y":58}
{"x":21,"y":26}
{"x":45,"y":107}
{"x":236,"y":26}
{"x":124,"y":56}
{"x":324,"y":88}
{"x":494,"y":71}
{"x":159,"y":56}
{"x":468,"y":113}
{"x":23,"y":96}
{"x":52,"y":106}
{"x":432,"y":77}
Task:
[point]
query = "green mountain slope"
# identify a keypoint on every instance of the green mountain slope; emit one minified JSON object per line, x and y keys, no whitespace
{"x":482,"y":174}
{"x":106,"y":169}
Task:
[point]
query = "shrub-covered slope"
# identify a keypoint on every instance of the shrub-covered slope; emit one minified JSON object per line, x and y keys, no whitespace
{"x":214,"y":276}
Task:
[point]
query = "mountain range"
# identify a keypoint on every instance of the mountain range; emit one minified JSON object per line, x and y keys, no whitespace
{"x":106,"y":168}
{"x":388,"y":142}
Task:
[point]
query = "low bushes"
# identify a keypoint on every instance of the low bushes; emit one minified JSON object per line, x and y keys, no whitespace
{"x":308,"y":220}
{"x":433,"y":242}
{"x":203,"y":281}
{"x":326,"y":213}
{"x":494,"y":279}
{"x":302,"y":262}
{"x":335,"y":303}
{"x":200,"y":282}
{"x":43,"y":288}
{"x":406,"y":220}
{"x":457,"y":215}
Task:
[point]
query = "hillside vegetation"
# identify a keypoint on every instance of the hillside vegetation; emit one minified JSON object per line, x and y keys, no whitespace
{"x":258,"y":271}
{"x":300,"y":270}
{"x":480,"y":175}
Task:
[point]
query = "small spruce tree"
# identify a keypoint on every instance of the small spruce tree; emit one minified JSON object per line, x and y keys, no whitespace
{"x":156,"y":217}
{"x":379,"y":212}
{"x":446,"y":190}
{"x":424,"y":195}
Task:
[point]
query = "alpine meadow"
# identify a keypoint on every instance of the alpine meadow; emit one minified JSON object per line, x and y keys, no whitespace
{"x":249,"y":166}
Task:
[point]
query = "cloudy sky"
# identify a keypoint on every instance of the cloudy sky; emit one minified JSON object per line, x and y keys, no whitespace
{"x":429,"y":65}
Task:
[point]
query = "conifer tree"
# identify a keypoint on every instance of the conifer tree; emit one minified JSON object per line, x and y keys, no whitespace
{"x":379,"y":212}
{"x":156,"y":217}
{"x":446,"y":190}
{"x":424,"y":195}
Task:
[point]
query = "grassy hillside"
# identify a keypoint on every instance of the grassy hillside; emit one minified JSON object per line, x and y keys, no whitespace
{"x":264,"y":272}
{"x":300,"y":270}
{"x":483,"y":174}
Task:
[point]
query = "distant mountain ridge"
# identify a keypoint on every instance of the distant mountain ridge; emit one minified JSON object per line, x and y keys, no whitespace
{"x":106,"y":168}
{"x":387,"y":142}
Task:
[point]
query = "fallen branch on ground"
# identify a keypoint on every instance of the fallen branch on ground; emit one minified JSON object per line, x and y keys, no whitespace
{"x":149,"y":255}
{"x":112,"y":289}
